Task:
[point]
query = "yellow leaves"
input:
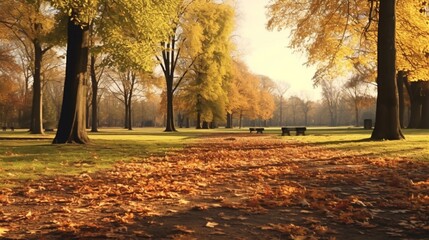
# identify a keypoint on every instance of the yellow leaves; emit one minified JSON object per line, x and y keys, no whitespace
{"x":211,"y":224}
{"x":183,"y":229}
{"x":3,"y":231}
{"x":126,"y":218}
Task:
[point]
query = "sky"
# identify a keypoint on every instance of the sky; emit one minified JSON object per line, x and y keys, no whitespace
{"x":266,"y":52}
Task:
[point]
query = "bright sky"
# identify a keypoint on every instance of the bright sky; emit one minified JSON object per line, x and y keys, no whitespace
{"x":266,"y":52}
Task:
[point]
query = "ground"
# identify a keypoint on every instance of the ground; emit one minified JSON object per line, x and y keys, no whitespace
{"x":244,"y":186}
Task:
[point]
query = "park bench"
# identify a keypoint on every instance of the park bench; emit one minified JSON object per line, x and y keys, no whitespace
{"x":298,"y":130}
{"x":258,"y":130}
{"x":49,"y":129}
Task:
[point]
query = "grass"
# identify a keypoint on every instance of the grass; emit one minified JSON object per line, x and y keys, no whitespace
{"x":414,"y":146}
{"x":24,"y":156}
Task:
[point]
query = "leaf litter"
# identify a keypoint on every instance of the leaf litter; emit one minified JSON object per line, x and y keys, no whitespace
{"x":228,"y":187}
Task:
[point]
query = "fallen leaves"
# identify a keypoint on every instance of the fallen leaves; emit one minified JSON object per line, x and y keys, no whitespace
{"x":211,"y":224}
{"x":3,"y":231}
{"x":308,"y":189}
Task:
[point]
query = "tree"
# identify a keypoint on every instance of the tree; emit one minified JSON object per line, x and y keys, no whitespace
{"x":357,"y":92}
{"x":213,"y":62}
{"x":387,"y":124}
{"x":331,"y":96}
{"x":131,"y":38}
{"x":266,"y":99}
{"x":124,"y":89}
{"x":96,"y":74}
{"x":306,"y":106}
{"x":242,"y":93}
{"x":9,"y":102}
{"x":33,"y":25}
{"x":281,"y":89}
{"x":71,"y":126}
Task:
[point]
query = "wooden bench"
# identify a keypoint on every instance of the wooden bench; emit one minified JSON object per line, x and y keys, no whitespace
{"x":258,"y":130}
{"x":298,"y":130}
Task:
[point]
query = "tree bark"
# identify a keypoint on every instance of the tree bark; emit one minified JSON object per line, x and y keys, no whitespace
{"x":71,"y":127}
{"x":240,"y":121}
{"x":400,"y":81}
{"x":387,"y":125}
{"x":198,"y":125}
{"x":94,"y":100}
{"x":169,"y":127}
{"x":424,"y":123}
{"x":37,"y":106}
{"x":416,"y":100}
{"x":228,"y":120}
{"x":129,"y":113}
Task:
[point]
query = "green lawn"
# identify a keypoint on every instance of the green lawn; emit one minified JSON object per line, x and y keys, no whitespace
{"x":25,"y":156}
{"x":415,"y":146}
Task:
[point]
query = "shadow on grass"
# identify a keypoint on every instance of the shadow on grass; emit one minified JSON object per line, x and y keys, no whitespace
{"x":337,"y":142}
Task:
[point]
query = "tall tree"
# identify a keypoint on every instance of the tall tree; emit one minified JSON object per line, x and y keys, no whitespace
{"x":71,"y":126}
{"x":331,"y":93}
{"x":132,"y":39}
{"x":387,"y":124}
{"x":243,"y":95}
{"x":212,"y":65}
{"x":281,"y":89}
{"x":33,"y":24}
{"x":124,"y":86}
{"x":357,"y":91}
{"x":172,"y":49}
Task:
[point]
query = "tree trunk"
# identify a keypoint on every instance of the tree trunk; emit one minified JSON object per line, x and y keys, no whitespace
{"x":188,"y":122}
{"x":129,"y":113}
{"x":87,"y":106}
{"x":240,"y":121}
{"x":169,"y":127}
{"x":356,"y":114}
{"x":71,"y":127}
{"x":281,"y":112}
{"x":387,"y":125}
{"x":306,"y":118}
{"x":37,"y":106}
{"x":180,"y":119}
{"x":400,"y":81}
{"x":198,"y":120}
{"x":332,"y":117}
{"x":424,"y":123}
{"x":228,"y":120}
{"x":416,"y":99}
{"x":94,"y":100}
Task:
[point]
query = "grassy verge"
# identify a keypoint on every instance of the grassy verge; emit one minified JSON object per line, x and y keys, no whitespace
{"x":415,"y":146}
{"x":24,"y":156}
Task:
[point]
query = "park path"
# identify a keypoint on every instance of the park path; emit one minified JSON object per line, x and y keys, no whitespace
{"x":229,"y":187}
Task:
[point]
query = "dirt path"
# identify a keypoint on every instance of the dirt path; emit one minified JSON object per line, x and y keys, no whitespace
{"x":229,"y":187}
